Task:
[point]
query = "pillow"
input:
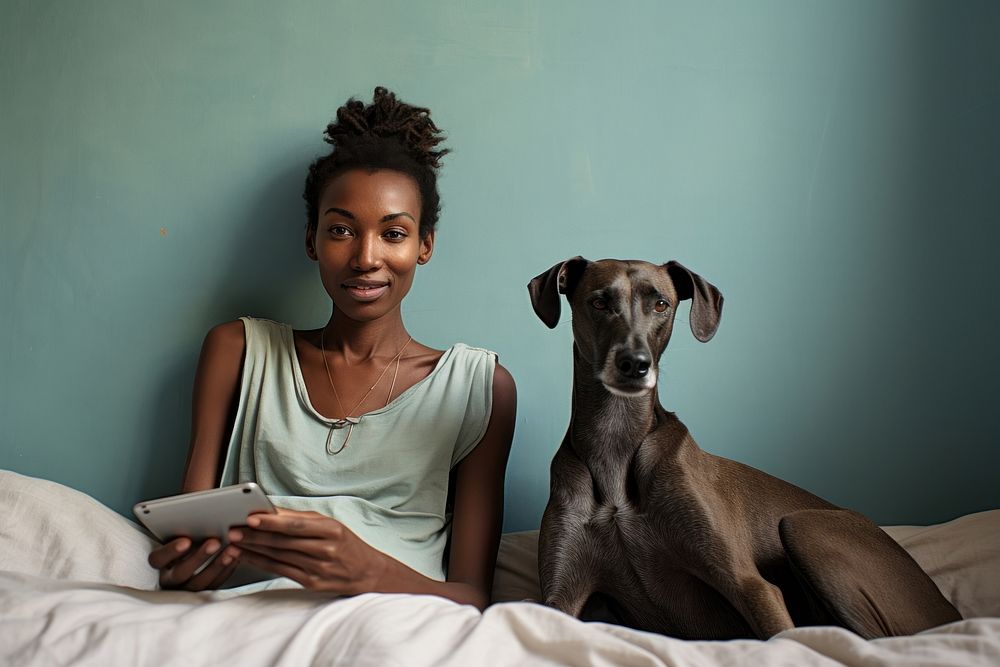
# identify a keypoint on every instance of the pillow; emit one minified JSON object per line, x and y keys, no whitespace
{"x":516,"y":575}
{"x":962,"y":556}
{"x":53,"y":531}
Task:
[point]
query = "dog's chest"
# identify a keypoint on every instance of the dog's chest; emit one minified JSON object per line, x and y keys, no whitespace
{"x":623,"y":521}
{"x":616,"y":522}
{"x":623,"y":541}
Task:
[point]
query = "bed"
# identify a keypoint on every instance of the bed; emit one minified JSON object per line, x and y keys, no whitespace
{"x":74,"y":589}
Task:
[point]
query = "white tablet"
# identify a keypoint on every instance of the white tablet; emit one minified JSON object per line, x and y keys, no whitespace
{"x":202,"y":514}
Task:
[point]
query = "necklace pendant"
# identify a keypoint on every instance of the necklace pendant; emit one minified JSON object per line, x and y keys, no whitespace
{"x":346,"y":421}
{"x":351,"y":421}
{"x":337,"y":424}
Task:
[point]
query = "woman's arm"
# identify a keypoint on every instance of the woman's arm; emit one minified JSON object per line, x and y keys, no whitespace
{"x":477,"y":518}
{"x":215,"y":387}
{"x":323,"y":554}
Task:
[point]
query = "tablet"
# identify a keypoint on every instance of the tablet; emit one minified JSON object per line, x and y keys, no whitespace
{"x":202,"y":514}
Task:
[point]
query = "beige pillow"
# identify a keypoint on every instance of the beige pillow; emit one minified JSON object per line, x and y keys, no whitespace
{"x":962,"y":556}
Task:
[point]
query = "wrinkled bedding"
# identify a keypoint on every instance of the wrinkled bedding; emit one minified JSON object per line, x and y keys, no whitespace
{"x":75,"y":589}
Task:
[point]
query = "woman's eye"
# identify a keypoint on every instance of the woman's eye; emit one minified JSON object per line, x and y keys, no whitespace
{"x":395,"y":235}
{"x":599,"y":304}
{"x":339,"y":230}
{"x":661,"y":306}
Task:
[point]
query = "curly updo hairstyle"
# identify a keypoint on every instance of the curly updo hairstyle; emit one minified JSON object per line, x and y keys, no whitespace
{"x":386,"y":134}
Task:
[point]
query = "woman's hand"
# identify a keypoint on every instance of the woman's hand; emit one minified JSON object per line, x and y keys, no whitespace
{"x":316,"y":551}
{"x":194,"y":569}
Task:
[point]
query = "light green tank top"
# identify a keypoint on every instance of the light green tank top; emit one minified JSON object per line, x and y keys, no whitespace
{"x":390,"y":484}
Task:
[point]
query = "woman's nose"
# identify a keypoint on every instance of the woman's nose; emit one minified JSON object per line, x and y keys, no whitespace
{"x":366,"y":253}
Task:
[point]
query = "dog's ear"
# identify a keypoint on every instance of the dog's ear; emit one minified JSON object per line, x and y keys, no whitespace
{"x":706,"y":304}
{"x":546,"y":287}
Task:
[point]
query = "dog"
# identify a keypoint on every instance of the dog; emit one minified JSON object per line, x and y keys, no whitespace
{"x":669,"y":538}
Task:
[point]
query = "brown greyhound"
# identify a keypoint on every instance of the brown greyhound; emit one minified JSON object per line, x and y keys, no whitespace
{"x":669,"y":538}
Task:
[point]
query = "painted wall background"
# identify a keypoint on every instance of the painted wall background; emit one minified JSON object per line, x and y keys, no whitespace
{"x":832,"y":166}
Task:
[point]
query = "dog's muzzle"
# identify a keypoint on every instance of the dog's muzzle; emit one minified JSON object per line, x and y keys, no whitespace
{"x":629,"y":372}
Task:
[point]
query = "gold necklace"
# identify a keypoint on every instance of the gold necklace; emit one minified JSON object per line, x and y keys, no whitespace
{"x":347,"y":419}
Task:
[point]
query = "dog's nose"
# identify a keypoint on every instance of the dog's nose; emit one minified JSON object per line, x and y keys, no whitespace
{"x":633,"y":364}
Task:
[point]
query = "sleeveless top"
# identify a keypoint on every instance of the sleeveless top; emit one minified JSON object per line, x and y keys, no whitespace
{"x":390,"y":484}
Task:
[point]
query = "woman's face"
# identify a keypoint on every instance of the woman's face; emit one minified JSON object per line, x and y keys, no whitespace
{"x":367,"y":241}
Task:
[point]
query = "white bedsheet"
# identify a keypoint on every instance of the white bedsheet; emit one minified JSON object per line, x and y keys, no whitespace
{"x":47,"y":621}
{"x":48,"y":616}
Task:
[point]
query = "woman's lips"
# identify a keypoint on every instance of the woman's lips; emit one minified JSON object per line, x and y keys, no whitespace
{"x":366,"y":292}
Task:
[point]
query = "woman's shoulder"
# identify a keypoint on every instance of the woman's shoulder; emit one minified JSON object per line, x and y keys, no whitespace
{"x":428,"y":357}
{"x":260,"y":323}
{"x":503,"y":381}
{"x":222,"y":353}
{"x":228,"y":335}
{"x":232,"y":336}
{"x":472,"y":350}
{"x":456,"y":362}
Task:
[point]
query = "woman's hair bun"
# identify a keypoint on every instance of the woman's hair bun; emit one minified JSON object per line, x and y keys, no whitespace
{"x":388,"y":118}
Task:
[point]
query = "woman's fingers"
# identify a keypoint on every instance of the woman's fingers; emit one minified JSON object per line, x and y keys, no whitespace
{"x":314,"y":547}
{"x":281,"y":568}
{"x":178,"y":572}
{"x":312,"y":544}
{"x":216,"y":572}
{"x":224,"y":574}
{"x":301,"y":524}
{"x":295,"y":558}
{"x":347,"y":567}
{"x":164,"y":555}
{"x":315,"y":550}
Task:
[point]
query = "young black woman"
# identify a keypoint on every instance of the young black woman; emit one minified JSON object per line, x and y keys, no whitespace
{"x":386,"y":457}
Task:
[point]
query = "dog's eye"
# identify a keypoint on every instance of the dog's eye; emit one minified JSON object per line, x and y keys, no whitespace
{"x":661,"y":306}
{"x":599,"y":304}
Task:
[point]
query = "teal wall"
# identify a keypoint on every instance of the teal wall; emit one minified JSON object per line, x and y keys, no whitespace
{"x":832,"y":166}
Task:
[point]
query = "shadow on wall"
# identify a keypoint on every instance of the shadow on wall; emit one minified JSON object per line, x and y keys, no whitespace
{"x":936,"y":357}
{"x":267,"y":275}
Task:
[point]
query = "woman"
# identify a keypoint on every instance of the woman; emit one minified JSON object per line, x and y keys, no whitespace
{"x":387,"y":456}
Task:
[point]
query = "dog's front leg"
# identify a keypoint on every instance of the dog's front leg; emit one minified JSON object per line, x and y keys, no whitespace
{"x":763,"y":605}
{"x":566,"y":566}
{"x":756,"y":599}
